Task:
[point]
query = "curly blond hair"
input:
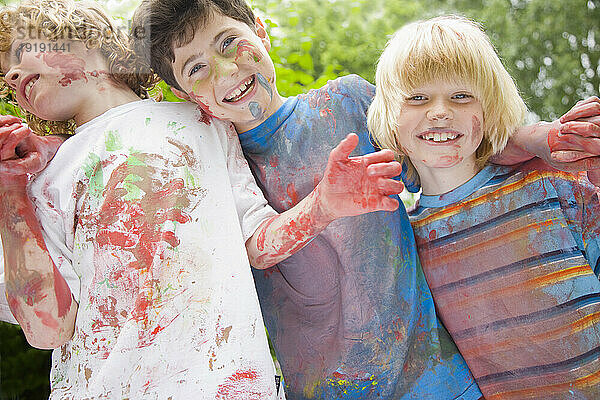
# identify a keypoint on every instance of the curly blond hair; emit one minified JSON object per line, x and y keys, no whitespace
{"x":76,"y":20}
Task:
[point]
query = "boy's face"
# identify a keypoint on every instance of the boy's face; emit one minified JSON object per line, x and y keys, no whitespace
{"x":440,"y":126}
{"x":49,"y":77}
{"x":226,"y":69}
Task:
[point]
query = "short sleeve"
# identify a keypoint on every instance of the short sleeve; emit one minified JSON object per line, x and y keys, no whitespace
{"x":251,"y":205}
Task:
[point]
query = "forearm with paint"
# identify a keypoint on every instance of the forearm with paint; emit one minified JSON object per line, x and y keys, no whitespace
{"x":280,"y":236}
{"x":526,"y":143}
{"x":37,"y":293}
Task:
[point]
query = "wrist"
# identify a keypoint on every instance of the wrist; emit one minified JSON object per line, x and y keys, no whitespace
{"x":320,"y":210}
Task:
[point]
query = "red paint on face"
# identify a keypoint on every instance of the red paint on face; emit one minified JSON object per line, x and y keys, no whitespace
{"x":244,"y":46}
{"x":242,"y":385}
{"x":71,"y":66}
{"x":476,"y":131}
{"x":47,"y":319}
{"x":205,"y":113}
{"x":62,"y":292}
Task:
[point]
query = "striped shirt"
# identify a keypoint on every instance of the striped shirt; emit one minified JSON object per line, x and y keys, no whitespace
{"x":507,"y":256}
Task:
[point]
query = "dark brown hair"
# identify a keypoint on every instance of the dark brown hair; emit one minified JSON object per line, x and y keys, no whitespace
{"x":159,"y":26}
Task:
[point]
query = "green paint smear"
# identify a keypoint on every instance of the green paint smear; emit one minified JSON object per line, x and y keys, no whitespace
{"x":148,"y":121}
{"x":133,"y":191}
{"x":93,"y":171}
{"x":190,"y":181}
{"x":113,"y":141}
{"x":173,"y":126}
{"x":133,"y":159}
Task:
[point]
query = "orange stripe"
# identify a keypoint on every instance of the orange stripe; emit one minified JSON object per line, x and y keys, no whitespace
{"x":539,"y":391}
{"x":502,"y":190}
{"x":579,"y":325}
{"x":558,"y":276}
{"x":450,"y":255}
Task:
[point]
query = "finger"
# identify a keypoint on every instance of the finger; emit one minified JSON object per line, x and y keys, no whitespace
{"x":388,"y":204}
{"x":9,"y":119}
{"x":380,"y":156}
{"x":570,"y":142}
{"x":389,"y":186}
{"x":7,"y":149}
{"x":594,"y":177}
{"x":344,"y":148}
{"x":567,"y":156}
{"x":585,"y":164}
{"x":388,"y":169}
{"x":586,"y":109}
{"x":581,"y":128}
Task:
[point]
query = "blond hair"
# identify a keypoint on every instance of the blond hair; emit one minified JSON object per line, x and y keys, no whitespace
{"x":76,"y":20}
{"x":444,"y":48}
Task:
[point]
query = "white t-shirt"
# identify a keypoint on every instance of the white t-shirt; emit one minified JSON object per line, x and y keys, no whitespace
{"x":139,"y":214}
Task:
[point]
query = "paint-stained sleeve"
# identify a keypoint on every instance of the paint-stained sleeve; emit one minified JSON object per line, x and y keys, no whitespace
{"x":252,"y":208}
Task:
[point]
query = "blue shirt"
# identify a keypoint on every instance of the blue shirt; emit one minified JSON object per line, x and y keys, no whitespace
{"x":350,"y":315}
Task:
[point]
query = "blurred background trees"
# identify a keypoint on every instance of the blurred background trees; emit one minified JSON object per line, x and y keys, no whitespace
{"x":552,"y":49}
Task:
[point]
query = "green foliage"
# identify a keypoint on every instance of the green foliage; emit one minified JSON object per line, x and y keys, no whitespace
{"x":23,"y":369}
{"x":552,"y":49}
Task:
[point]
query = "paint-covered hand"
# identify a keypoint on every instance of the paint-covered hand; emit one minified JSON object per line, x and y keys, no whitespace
{"x":22,"y":152}
{"x":574,"y":141}
{"x":357,"y":185}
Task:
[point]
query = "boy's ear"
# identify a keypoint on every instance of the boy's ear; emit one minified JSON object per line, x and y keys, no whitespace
{"x":180,"y":93}
{"x":261,"y":32}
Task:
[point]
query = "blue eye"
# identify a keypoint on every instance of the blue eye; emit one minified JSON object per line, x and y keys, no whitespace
{"x":195,"y":69}
{"x":227,"y":42}
{"x":462,"y":96}
{"x":417,"y":97}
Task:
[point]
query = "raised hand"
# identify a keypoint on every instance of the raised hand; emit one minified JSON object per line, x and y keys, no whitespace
{"x":357,"y":185}
{"x":576,"y":140}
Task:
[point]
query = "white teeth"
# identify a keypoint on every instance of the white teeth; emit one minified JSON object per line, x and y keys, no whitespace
{"x":439,"y":137}
{"x":28,"y":87}
{"x":239,"y":90}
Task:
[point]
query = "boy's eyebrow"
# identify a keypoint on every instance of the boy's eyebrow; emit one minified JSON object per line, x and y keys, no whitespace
{"x":214,"y":41}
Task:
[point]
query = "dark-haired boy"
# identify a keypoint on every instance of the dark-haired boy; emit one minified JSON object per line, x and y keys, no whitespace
{"x":350,"y":315}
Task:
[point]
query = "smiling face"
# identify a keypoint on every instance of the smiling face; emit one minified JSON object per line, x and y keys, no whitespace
{"x":52,"y":80}
{"x":440,"y":128}
{"x":227,"y":71}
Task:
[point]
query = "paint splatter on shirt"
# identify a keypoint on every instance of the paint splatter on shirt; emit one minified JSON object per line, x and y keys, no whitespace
{"x":507,"y":256}
{"x":350,"y":315}
{"x":146,"y":212}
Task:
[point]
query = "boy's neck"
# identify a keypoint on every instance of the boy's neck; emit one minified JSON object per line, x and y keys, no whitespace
{"x":111,"y":95}
{"x":436,"y":181}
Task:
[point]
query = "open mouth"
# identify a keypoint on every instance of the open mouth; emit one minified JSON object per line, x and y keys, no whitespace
{"x":241,"y":91}
{"x":29,"y":86}
{"x":440,"y":137}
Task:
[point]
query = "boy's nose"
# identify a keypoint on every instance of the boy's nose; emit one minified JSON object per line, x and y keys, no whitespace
{"x":227,"y":68}
{"x":12,"y":77}
{"x":439,"y":112}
